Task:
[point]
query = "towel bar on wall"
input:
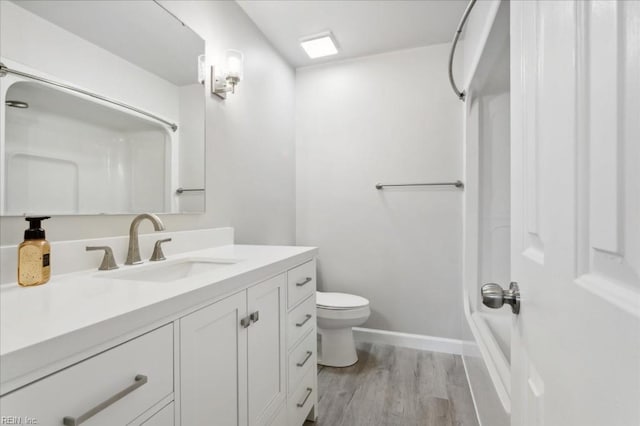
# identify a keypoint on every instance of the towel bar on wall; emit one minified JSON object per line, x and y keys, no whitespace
{"x":457,"y":184}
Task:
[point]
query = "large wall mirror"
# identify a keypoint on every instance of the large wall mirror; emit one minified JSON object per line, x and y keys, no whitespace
{"x":102,"y":109}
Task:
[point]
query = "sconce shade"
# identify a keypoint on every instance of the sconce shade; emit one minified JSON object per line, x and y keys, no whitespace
{"x":235,"y":64}
{"x":202,"y":71}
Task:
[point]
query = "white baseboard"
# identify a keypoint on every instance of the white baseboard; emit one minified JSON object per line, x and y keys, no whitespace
{"x":406,"y":340}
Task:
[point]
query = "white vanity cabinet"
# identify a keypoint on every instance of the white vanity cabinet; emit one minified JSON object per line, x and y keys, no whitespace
{"x":302,"y":386}
{"x":249,"y":359}
{"x":239,"y":355}
{"x":267,"y":350}
{"x":232,"y":358}
{"x":213,"y":364}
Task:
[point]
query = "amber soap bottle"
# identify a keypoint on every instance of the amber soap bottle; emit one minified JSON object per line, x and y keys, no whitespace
{"x":34,"y":266}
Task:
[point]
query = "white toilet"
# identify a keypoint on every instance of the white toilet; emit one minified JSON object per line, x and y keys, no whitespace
{"x":337,"y":313}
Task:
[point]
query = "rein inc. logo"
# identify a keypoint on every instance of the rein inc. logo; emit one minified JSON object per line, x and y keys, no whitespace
{"x":18,"y":420}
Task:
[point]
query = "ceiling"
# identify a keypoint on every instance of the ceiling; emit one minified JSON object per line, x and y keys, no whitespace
{"x":361,"y":27}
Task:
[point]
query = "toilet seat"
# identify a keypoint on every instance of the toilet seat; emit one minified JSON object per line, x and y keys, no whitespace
{"x":340,"y":301}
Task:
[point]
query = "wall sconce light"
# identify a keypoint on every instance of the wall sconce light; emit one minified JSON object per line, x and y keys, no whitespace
{"x":227,"y":78}
{"x":201,"y":69}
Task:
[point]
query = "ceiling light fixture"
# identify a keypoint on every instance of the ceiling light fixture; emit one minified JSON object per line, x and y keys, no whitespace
{"x":319,"y":45}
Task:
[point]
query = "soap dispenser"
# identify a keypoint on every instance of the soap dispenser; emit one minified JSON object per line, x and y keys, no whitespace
{"x":33,"y":254}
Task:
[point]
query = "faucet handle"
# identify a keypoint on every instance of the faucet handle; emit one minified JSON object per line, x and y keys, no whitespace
{"x":157,"y":250}
{"x":108,"y":261}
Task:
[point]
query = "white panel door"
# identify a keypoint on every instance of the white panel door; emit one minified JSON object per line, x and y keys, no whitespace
{"x":213,"y":364}
{"x":576,"y":212}
{"x":266,"y":306}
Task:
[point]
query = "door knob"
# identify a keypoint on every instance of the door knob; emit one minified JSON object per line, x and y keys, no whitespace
{"x":495,"y":297}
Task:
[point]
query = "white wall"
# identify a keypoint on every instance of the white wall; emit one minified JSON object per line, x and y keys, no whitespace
{"x":384,"y":118}
{"x":249,"y":143}
{"x":192,"y":168}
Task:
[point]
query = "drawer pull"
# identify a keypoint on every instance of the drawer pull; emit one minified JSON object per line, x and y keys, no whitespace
{"x":306,"y":281}
{"x":301,"y":404}
{"x":254,"y":317}
{"x":304,"y":361}
{"x":140,"y":380}
{"x":307,"y":318}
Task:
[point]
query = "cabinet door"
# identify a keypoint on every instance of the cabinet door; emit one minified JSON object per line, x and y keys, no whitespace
{"x":267,"y":388}
{"x":213,"y":364}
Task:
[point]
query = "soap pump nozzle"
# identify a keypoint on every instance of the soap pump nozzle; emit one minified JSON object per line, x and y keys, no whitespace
{"x":35,"y":231}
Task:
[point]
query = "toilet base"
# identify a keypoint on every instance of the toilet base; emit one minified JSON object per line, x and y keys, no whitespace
{"x":337,"y":347}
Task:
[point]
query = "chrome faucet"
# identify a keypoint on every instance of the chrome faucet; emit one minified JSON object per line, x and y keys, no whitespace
{"x":133,"y":255}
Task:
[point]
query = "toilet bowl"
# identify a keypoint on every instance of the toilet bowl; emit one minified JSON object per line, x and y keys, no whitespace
{"x":337,"y":313}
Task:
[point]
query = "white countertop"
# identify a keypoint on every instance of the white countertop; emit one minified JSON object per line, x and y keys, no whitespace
{"x":73,"y":313}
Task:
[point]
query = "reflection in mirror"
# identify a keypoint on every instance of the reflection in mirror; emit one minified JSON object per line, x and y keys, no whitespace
{"x":102,"y":109}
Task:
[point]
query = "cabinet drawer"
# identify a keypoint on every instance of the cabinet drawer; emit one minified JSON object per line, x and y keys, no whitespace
{"x":302,"y":399}
{"x":141,"y":369}
{"x":281,"y":418}
{"x":301,"y":320}
{"x":301,"y":282}
{"x":164,"y":417}
{"x":302,"y":359}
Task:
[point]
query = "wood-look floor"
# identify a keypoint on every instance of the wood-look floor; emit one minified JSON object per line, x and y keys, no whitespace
{"x":393,"y":386}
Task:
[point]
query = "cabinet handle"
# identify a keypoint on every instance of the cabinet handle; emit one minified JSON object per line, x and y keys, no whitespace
{"x":304,"y":361}
{"x":307,"y":318}
{"x":245,"y":322}
{"x":140,"y":380}
{"x":254,"y":316}
{"x":306,"y":280}
{"x":301,"y":404}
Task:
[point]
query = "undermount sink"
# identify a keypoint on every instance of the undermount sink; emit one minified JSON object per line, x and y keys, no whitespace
{"x":171,"y":270}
